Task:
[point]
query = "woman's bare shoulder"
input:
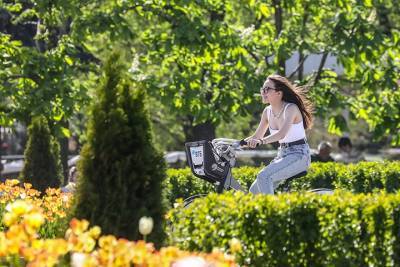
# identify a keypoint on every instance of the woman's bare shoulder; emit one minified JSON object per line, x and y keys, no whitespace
{"x":265,"y":113}
{"x":293,"y":109}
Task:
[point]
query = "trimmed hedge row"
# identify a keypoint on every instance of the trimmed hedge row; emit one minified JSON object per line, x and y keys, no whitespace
{"x":299,"y":229}
{"x":363,"y":177}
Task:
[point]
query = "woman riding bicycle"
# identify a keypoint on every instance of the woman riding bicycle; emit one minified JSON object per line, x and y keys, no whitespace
{"x":288,"y":114}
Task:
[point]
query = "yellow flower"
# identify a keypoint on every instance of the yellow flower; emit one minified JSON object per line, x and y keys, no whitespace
{"x":3,"y":245}
{"x":56,"y":246}
{"x":95,"y":232}
{"x":169,"y":252}
{"x":34,"y":220}
{"x":9,"y":219}
{"x":235,"y":245}
{"x":19,"y":207}
{"x":16,"y":238}
{"x":88,"y":244}
{"x":12,"y":182}
{"x":107,"y":241}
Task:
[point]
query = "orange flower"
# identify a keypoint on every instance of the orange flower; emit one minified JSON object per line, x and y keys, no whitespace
{"x":3,"y":245}
{"x":78,"y":226}
{"x":23,"y":219}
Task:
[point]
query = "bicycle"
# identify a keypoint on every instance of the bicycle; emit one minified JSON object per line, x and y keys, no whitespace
{"x":213,"y":161}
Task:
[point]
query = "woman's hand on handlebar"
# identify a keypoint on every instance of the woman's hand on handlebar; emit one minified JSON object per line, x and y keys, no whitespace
{"x":253,"y":142}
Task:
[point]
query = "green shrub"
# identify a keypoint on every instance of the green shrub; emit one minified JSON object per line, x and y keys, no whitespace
{"x":363,"y":177}
{"x":320,"y":175}
{"x":370,"y":176}
{"x":181,"y":183}
{"x":299,"y":229}
{"x":120,"y":171}
{"x":42,"y":163}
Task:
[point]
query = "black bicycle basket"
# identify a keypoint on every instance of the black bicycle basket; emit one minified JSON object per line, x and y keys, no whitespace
{"x":205,"y":162}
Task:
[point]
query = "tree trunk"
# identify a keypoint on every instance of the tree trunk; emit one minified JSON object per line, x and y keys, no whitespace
{"x":301,"y":53}
{"x":301,"y":68}
{"x":278,"y":28}
{"x":64,"y":153}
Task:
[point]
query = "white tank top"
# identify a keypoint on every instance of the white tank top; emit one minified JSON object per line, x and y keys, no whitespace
{"x":296,"y":130}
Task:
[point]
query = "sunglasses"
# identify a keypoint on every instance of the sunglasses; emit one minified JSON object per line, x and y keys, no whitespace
{"x":265,"y":90}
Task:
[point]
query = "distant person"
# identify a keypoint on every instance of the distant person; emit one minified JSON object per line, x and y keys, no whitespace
{"x":347,"y":153}
{"x":71,"y":186}
{"x":323,"y":154}
{"x":73,"y":172}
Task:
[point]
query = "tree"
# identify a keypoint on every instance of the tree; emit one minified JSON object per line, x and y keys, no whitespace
{"x":120,"y":171}
{"x":40,"y":61}
{"x":196,"y":60}
{"x":193,"y":60}
{"x":351,"y":32}
{"x":209,"y":58}
{"x":42,"y":165}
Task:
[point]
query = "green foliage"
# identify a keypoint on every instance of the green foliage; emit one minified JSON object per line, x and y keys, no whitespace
{"x":294,"y":229}
{"x":207,"y":58}
{"x":202,"y":68}
{"x":320,"y":175}
{"x":43,"y":80}
{"x":42,"y":164}
{"x":364,"y":177}
{"x":181,"y":183}
{"x":120,"y":172}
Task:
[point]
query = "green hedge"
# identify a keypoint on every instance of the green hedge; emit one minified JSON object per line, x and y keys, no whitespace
{"x":363,"y":177}
{"x":300,"y":229}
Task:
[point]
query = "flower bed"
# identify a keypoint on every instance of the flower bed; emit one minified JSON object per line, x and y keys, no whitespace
{"x":28,"y":230}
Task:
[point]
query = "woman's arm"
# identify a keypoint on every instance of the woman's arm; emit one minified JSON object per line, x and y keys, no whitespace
{"x":255,"y":139}
{"x":262,"y":127}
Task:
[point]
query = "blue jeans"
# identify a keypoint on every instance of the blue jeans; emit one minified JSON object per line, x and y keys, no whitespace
{"x":289,"y":162}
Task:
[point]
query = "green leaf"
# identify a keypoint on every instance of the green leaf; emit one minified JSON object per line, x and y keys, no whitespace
{"x":264,"y":10}
{"x":66,"y":132}
{"x":362,"y":113}
{"x":337,"y":125}
{"x":68,"y":60}
{"x":368,"y":3}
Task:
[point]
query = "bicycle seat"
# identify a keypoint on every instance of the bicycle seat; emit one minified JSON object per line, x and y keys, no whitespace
{"x":286,"y":184}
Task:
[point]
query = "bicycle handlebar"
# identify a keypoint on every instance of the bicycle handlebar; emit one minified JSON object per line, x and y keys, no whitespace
{"x":231,"y":142}
{"x":244,"y":143}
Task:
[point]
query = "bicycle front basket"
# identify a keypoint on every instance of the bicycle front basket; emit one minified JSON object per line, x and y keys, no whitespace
{"x":205,"y":163}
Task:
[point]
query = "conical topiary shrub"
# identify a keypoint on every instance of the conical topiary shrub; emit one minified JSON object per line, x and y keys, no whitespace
{"x":120,"y":171}
{"x":42,"y":164}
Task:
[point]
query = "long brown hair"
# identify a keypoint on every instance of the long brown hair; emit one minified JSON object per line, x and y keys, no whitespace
{"x":294,"y":94}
